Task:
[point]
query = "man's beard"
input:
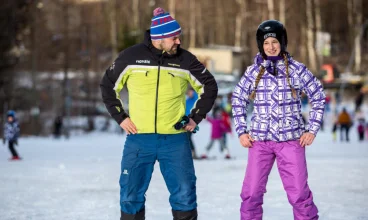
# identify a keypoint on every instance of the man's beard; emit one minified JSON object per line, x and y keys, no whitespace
{"x":173,"y":50}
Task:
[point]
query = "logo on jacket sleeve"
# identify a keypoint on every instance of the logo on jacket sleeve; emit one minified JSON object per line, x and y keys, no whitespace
{"x":143,"y":61}
{"x":112,"y":66}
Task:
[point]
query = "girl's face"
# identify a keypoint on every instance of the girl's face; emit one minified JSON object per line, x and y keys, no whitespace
{"x":271,"y":46}
{"x":10,"y":119}
{"x":218,"y":114}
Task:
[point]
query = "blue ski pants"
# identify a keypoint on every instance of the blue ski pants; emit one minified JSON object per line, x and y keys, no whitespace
{"x":173,"y":153}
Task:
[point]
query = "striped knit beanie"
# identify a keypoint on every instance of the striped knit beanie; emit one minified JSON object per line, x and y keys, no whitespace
{"x":163,"y":25}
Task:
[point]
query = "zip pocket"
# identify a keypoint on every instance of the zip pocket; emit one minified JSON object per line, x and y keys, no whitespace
{"x":171,"y":74}
{"x":141,"y":71}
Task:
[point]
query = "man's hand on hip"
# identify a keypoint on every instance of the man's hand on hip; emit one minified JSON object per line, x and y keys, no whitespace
{"x":128,"y":126}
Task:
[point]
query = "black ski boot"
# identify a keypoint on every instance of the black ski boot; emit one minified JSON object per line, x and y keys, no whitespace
{"x":138,"y":216}
{"x":189,"y":215}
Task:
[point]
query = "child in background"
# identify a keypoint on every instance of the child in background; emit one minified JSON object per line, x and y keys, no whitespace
{"x":361,"y":129}
{"x":334,"y":129}
{"x":11,"y":133}
{"x":217,"y":133}
{"x":227,"y":125}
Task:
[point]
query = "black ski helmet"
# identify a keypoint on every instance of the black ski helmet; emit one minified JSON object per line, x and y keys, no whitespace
{"x":271,"y":28}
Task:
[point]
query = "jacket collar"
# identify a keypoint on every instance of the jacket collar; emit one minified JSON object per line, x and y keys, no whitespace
{"x":259,"y":61}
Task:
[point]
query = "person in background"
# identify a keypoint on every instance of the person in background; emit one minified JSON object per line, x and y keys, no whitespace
{"x":11,"y":134}
{"x":359,"y":117}
{"x":217,"y":133}
{"x":338,"y":100}
{"x":228,"y":130}
{"x":359,"y":101}
{"x":227,"y":106}
{"x":361,"y":129}
{"x":328,"y":102}
{"x":345,"y":122}
{"x":189,"y":103}
{"x":275,"y":83}
{"x":334,"y":129}
{"x":58,"y":126}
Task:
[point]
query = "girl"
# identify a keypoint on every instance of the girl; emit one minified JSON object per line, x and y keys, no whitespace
{"x":275,"y":82}
{"x":217,"y":133}
{"x":227,"y":125}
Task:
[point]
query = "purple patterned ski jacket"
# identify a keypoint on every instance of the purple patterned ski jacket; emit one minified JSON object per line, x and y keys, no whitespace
{"x":277,"y":114}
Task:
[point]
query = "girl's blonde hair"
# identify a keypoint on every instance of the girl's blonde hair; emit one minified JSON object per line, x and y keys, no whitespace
{"x":286,"y":61}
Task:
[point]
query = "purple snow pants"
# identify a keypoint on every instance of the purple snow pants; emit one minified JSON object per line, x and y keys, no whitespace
{"x":291,"y":163}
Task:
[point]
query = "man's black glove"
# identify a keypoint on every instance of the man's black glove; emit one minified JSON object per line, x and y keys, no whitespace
{"x":4,"y":140}
{"x":15,"y":142}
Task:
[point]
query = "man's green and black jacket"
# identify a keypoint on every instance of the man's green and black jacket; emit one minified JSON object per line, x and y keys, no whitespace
{"x":157,"y":83}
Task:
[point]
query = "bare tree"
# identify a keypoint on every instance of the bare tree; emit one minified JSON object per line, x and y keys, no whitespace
{"x":303,"y":47}
{"x":135,"y":9}
{"x":34,"y":48}
{"x":113,"y":29}
{"x":220,"y":23}
{"x":66,"y":63}
{"x":350,"y":7}
{"x":200,"y":24}
{"x":317,"y":7}
{"x":310,"y":36}
{"x":271,"y":9}
{"x":282,"y":11}
{"x":358,"y":5}
{"x":192,"y":40}
{"x":14,"y":17}
{"x":238,"y":22}
{"x":172,"y":7}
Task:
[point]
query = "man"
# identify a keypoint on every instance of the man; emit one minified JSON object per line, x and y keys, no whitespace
{"x":156,"y":73}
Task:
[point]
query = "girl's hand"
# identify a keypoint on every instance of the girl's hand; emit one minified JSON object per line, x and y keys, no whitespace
{"x":246,"y":140}
{"x":306,"y":139}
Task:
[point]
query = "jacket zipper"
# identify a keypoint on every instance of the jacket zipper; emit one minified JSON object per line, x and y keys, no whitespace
{"x":158,"y":81}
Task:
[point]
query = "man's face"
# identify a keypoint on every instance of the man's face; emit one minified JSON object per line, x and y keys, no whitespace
{"x":170,"y":45}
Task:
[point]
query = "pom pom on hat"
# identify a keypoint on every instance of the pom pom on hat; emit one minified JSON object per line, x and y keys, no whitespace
{"x":163,"y":25}
{"x":158,"y":11}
